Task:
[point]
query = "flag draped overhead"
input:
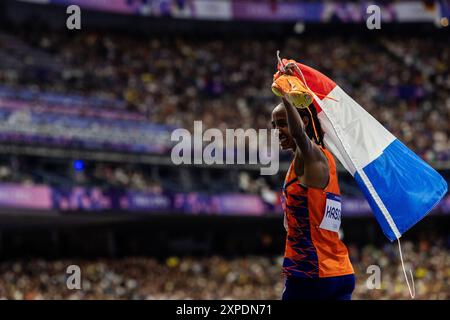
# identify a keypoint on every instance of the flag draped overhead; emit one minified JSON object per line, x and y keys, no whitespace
{"x":399,"y":186}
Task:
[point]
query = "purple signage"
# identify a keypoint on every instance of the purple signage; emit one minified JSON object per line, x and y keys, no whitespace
{"x":148,"y":8}
{"x":237,"y":203}
{"x":224,"y":204}
{"x":141,"y":201}
{"x":276,"y":11}
{"x":78,"y":198}
{"x":20,"y":196}
{"x":119,"y":6}
{"x":320,"y":11}
{"x":193,"y":203}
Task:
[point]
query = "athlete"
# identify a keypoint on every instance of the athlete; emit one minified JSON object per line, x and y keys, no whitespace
{"x":316,"y":262}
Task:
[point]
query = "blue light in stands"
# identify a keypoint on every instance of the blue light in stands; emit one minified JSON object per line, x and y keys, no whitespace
{"x":78,"y":165}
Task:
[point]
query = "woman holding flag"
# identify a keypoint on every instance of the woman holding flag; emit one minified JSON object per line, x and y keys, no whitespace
{"x":400,"y":188}
{"x":316,"y":262}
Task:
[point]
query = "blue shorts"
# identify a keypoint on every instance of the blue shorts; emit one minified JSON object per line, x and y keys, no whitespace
{"x":332,"y":288}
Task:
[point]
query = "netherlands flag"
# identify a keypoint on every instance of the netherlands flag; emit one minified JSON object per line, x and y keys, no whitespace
{"x":400,"y":187}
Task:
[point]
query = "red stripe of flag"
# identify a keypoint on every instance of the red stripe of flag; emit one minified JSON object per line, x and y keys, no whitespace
{"x":319,"y":83}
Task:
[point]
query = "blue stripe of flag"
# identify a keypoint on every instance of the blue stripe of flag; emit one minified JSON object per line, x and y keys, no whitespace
{"x":408,"y":187}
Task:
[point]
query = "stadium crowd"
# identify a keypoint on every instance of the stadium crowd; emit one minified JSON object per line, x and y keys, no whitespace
{"x":226,"y":82}
{"x":215,"y":277}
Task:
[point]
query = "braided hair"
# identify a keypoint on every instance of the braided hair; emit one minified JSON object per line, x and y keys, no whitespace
{"x":313,"y":129}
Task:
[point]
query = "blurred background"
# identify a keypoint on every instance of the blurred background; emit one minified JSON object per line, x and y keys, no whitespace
{"x":85,"y":121}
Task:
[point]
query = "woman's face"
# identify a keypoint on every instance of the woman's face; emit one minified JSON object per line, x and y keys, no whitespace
{"x":279,"y":122}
